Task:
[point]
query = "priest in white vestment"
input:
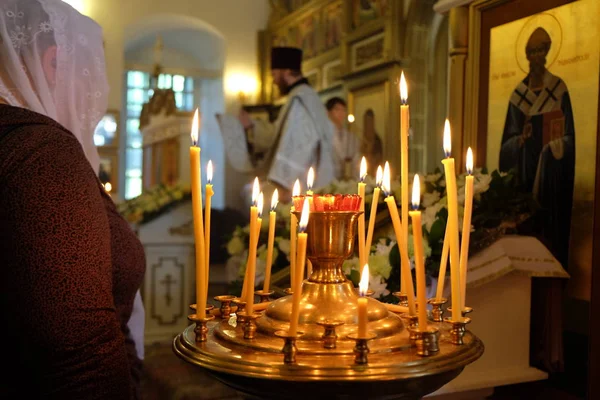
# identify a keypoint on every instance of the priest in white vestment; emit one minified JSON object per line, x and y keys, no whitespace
{"x":301,"y":136}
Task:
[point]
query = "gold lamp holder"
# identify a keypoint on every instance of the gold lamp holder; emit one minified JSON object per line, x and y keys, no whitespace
{"x":328,"y":358}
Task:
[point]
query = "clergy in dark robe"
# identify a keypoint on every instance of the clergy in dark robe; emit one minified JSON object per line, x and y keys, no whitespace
{"x":539,"y":142}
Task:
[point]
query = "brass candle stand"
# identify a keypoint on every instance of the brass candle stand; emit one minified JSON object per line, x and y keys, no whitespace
{"x":328,"y":360}
{"x":437,"y":311}
{"x":329,"y":336}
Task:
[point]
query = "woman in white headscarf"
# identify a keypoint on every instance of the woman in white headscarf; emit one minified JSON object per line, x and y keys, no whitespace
{"x":70,"y":265}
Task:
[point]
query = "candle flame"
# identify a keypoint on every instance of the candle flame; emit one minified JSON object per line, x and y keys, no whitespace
{"x":195,"y":127}
{"x":255,"y":191}
{"x":363,"y":169}
{"x":209,"y":172}
{"x":310,"y":178}
{"x":447,"y":139}
{"x":108,"y":187}
{"x":363,"y":285}
{"x":416,"y":192}
{"x":351,"y":118}
{"x":469,"y":161}
{"x":274,"y":199}
{"x":260,"y":204}
{"x":385,"y":184}
{"x":403,"y":89}
{"x":304,"y":216}
{"x":379,"y":176}
{"x":296,"y":189}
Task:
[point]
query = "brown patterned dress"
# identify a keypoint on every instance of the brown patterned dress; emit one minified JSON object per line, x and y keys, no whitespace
{"x":70,"y":267}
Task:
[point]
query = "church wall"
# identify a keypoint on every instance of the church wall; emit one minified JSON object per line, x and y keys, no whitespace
{"x":237,"y":21}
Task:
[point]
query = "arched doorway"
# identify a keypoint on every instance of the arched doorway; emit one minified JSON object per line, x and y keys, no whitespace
{"x":194,"y":53}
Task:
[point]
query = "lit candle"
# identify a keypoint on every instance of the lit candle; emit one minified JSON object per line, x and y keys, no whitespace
{"x":406,"y":276}
{"x":108,"y":188}
{"x":196,"y":180}
{"x":372,"y":217}
{"x":253,"y":217}
{"x":349,"y":152}
{"x":297,"y":289}
{"x":404,"y":126}
{"x":252,"y":257}
{"x":450,"y":174}
{"x":466,"y":228}
{"x":310,"y":180}
{"x":272,"y":216}
{"x":361,"y":218}
{"x":293,"y":235}
{"x":415,"y":216}
{"x":443,"y":264}
{"x":207,"y":210}
{"x":363,"y":287}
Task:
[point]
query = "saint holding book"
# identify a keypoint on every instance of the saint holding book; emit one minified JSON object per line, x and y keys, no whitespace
{"x":539,"y":142}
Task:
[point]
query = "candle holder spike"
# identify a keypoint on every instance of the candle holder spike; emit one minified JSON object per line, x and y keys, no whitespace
{"x":209,"y":307}
{"x":265,"y":297}
{"x":458,"y":330}
{"x":201,"y":329}
{"x":248,"y":324}
{"x":225,"y":308}
{"x":289,"y":349}
{"x":437,"y":310}
{"x":465,"y":311}
{"x":412,"y":322}
{"x":402,"y":297}
{"x":329,"y":335}
{"x":426,"y":341}
{"x":361,"y":349}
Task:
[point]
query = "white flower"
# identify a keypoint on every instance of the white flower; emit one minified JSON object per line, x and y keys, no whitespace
{"x":378,"y":285}
{"x":349,"y":265}
{"x":433,"y":178}
{"x":481,"y":184}
{"x":428,"y":217}
{"x":379,"y":265}
{"x":283,"y":244}
{"x":381,"y":248}
{"x":429,"y":199}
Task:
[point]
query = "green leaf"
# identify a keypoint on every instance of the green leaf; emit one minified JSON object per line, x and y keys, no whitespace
{"x":436,"y":234}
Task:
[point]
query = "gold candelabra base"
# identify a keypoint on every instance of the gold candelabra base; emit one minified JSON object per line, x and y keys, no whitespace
{"x":328,"y":360}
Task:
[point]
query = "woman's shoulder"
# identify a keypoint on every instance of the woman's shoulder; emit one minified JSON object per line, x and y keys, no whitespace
{"x":25,"y":137}
{"x":30,"y":128}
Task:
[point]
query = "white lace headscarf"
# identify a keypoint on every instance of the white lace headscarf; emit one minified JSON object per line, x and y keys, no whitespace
{"x":77,"y":97}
